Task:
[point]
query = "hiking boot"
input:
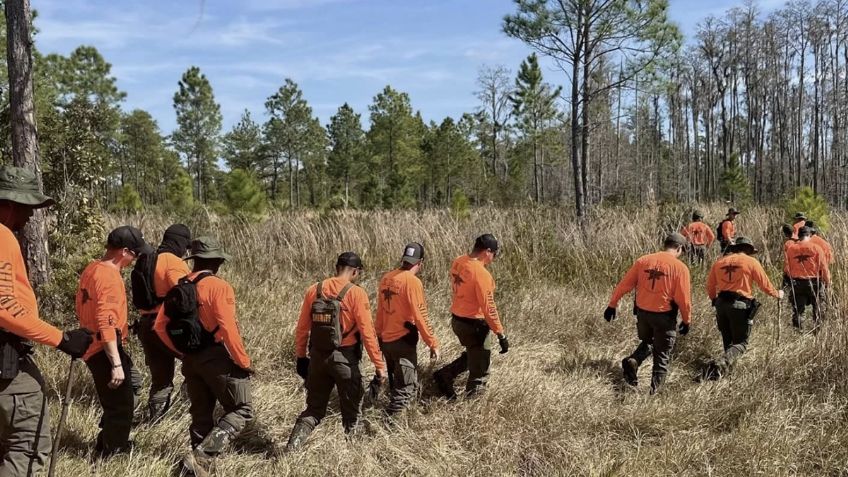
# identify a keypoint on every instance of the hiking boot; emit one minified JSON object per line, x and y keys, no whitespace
{"x":713,"y":371}
{"x":629,"y":368}
{"x":445,"y":385}
{"x":298,"y":436}
{"x":157,"y":410}
{"x":215,"y":442}
{"x":196,"y":464}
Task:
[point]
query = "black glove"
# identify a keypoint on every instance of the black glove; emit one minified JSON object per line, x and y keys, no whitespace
{"x":504,"y":342}
{"x":374,"y":387}
{"x":303,"y":367}
{"x":75,"y":342}
{"x":714,"y":301}
{"x":786,"y":281}
{"x":683,"y":328}
{"x":609,"y":313}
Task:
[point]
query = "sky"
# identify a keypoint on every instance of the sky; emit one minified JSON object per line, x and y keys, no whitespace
{"x":337,"y":50}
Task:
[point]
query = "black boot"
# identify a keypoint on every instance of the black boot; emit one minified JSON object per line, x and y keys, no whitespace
{"x":298,"y":436}
{"x":629,"y":368}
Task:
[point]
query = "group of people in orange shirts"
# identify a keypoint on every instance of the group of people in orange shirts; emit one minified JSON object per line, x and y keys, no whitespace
{"x":662,"y":287}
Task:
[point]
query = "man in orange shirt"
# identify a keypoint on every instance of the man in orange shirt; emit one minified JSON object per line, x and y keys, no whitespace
{"x":727,"y":230}
{"x":150,"y":283}
{"x":663,"y":288}
{"x":730,"y":288}
{"x":216,"y":366}
{"x":818,"y":240}
{"x":474,"y":318}
{"x":401,"y":317}
{"x":335,"y":321}
{"x":101,"y":305}
{"x":808,"y":273}
{"x":700,"y":237}
{"x":800,"y":220}
{"x":24,"y":420}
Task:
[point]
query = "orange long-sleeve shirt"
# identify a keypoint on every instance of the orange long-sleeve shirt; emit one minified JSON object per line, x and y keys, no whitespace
{"x":825,"y":246}
{"x":796,"y":227}
{"x":474,"y":292}
{"x":101,"y":305}
{"x":216,"y":302}
{"x":806,"y":260}
{"x":355,"y":319}
{"x":699,"y":233}
{"x":737,"y":273}
{"x":659,"y":280}
{"x":401,"y":300}
{"x":728,"y":230}
{"x":18,"y":308}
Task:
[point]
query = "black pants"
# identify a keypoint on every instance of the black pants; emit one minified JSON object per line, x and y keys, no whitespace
{"x":697,"y":254}
{"x":732,"y":319}
{"x":339,"y":369}
{"x":477,"y":339}
{"x":160,"y":360}
{"x":657,"y":332}
{"x":117,"y":404}
{"x":805,"y":291}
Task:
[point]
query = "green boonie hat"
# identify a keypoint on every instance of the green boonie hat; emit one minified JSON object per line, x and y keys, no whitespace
{"x":697,"y":214}
{"x":800,"y":216}
{"x":676,"y":238}
{"x":207,"y":247}
{"x":745,"y":242}
{"x":20,"y":185}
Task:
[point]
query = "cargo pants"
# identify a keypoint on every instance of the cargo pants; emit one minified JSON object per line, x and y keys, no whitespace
{"x":477,"y":339}
{"x":734,"y":324}
{"x":402,"y":361}
{"x":657,"y":332}
{"x":340,"y":369}
{"x":697,"y":254}
{"x":24,"y":422}
{"x":160,"y":361}
{"x":118,"y":404}
{"x":805,"y":291}
{"x":211,"y":376}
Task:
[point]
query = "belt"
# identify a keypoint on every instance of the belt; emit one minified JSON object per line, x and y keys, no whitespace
{"x":733,"y":296}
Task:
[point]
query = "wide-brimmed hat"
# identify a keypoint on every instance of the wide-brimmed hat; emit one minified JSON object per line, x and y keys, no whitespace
{"x":697,"y":215}
{"x":20,"y":185}
{"x":743,"y":243}
{"x":800,"y":216}
{"x":208,"y":248}
{"x":733,"y":211}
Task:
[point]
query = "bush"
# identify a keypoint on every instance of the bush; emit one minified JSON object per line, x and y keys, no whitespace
{"x":180,"y":194}
{"x":460,"y":205}
{"x":812,"y":205}
{"x":244,"y":195}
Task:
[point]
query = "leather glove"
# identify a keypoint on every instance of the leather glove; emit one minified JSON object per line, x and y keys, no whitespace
{"x":609,"y":314}
{"x":303,"y":368}
{"x":683,"y":328}
{"x":504,"y":342}
{"x":75,"y":342}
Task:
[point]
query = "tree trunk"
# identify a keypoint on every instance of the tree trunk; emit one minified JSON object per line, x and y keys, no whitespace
{"x":24,"y":135}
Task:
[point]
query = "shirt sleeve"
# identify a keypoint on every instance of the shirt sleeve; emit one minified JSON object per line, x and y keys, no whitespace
{"x":176,"y":270}
{"x":712,"y":285}
{"x":683,"y":294}
{"x":710,"y":235}
{"x":16,"y":316}
{"x":362,"y":314}
{"x":486,"y":297}
{"x":416,"y":300}
{"x":224,"y":311}
{"x":159,"y":326}
{"x":762,"y":279}
{"x":626,"y":284}
{"x":380,"y":322}
{"x":727,"y":230}
{"x":684,"y":231}
{"x":304,"y":324}
{"x":824,"y":270}
{"x":109,"y":293}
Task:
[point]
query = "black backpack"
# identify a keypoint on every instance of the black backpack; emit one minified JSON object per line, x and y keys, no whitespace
{"x":326,"y":333}
{"x":720,"y":231}
{"x":184,"y":328}
{"x":141,"y":281}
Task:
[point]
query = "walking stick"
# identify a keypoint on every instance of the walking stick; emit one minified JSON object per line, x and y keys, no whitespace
{"x":65,"y":403}
{"x":777,"y":323}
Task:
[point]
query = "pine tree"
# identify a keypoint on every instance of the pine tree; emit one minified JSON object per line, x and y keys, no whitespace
{"x":179,"y":196}
{"x":347,"y":146}
{"x":243,"y":194}
{"x":813,"y":205}
{"x":242,"y":147}
{"x":734,"y":183}
{"x":129,"y":200}
{"x":141,"y":149}
{"x":198,"y":126}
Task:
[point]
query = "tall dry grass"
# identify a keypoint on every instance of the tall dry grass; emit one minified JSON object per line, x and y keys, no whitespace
{"x":555,"y":405}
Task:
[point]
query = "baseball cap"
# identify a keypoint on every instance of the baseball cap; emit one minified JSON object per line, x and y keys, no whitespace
{"x":128,"y":237}
{"x":413,"y":253}
{"x":349,"y":259}
{"x":486,"y":241}
{"x":805,"y":231}
{"x":733,"y":211}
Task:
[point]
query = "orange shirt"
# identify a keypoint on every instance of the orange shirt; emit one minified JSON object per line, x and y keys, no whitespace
{"x":825,"y":246}
{"x":698,"y":233}
{"x":659,"y":280}
{"x":736,"y":273}
{"x":728,"y":230}
{"x":807,"y":260}
{"x":167,"y":273}
{"x":796,"y":227}
{"x":355,"y":319}
{"x":401,"y":300}
{"x":101,"y":304}
{"x":474,"y":292}
{"x":18,"y":309}
{"x":216,"y":302}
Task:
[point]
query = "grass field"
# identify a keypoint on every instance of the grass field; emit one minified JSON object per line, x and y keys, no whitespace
{"x":556,"y":404}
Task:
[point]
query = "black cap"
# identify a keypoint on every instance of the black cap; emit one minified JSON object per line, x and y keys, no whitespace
{"x":129,"y":237}
{"x":413,"y":253}
{"x":349,"y":259}
{"x":486,"y":241}
{"x":805,"y":231}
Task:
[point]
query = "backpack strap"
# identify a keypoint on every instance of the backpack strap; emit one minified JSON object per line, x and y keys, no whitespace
{"x":344,"y":291}
{"x":318,"y":292}
{"x":200,"y":277}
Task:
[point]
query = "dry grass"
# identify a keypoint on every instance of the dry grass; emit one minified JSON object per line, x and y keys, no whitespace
{"x":555,"y":404}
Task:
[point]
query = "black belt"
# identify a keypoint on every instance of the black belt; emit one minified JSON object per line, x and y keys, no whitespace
{"x":733,"y":296}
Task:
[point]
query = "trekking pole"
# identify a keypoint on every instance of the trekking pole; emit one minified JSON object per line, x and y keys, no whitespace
{"x":777,"y":323}
{"x":65,"y":404}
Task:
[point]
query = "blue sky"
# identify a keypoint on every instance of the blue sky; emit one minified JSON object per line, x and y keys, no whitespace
{"x":336,"y":50}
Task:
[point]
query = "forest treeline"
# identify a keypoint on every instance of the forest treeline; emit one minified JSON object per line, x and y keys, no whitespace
{"x":750,"y":108}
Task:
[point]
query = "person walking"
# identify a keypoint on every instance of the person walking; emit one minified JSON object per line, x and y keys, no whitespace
{"x":730,"y":289}
{"x":817,"y":239}
{"x":663,"y":289}
{"x":727,"y":230}
{"x":808,"y":274}
{"x":700,"y":237}
{"x":800,"y":220}
{"x":101,"y":305}
{"x":401,"y":318}
{"x":24,"y":419}
{"x":474,"y":319}
{"x":152,"y":278}
{"x":334,"y":323}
